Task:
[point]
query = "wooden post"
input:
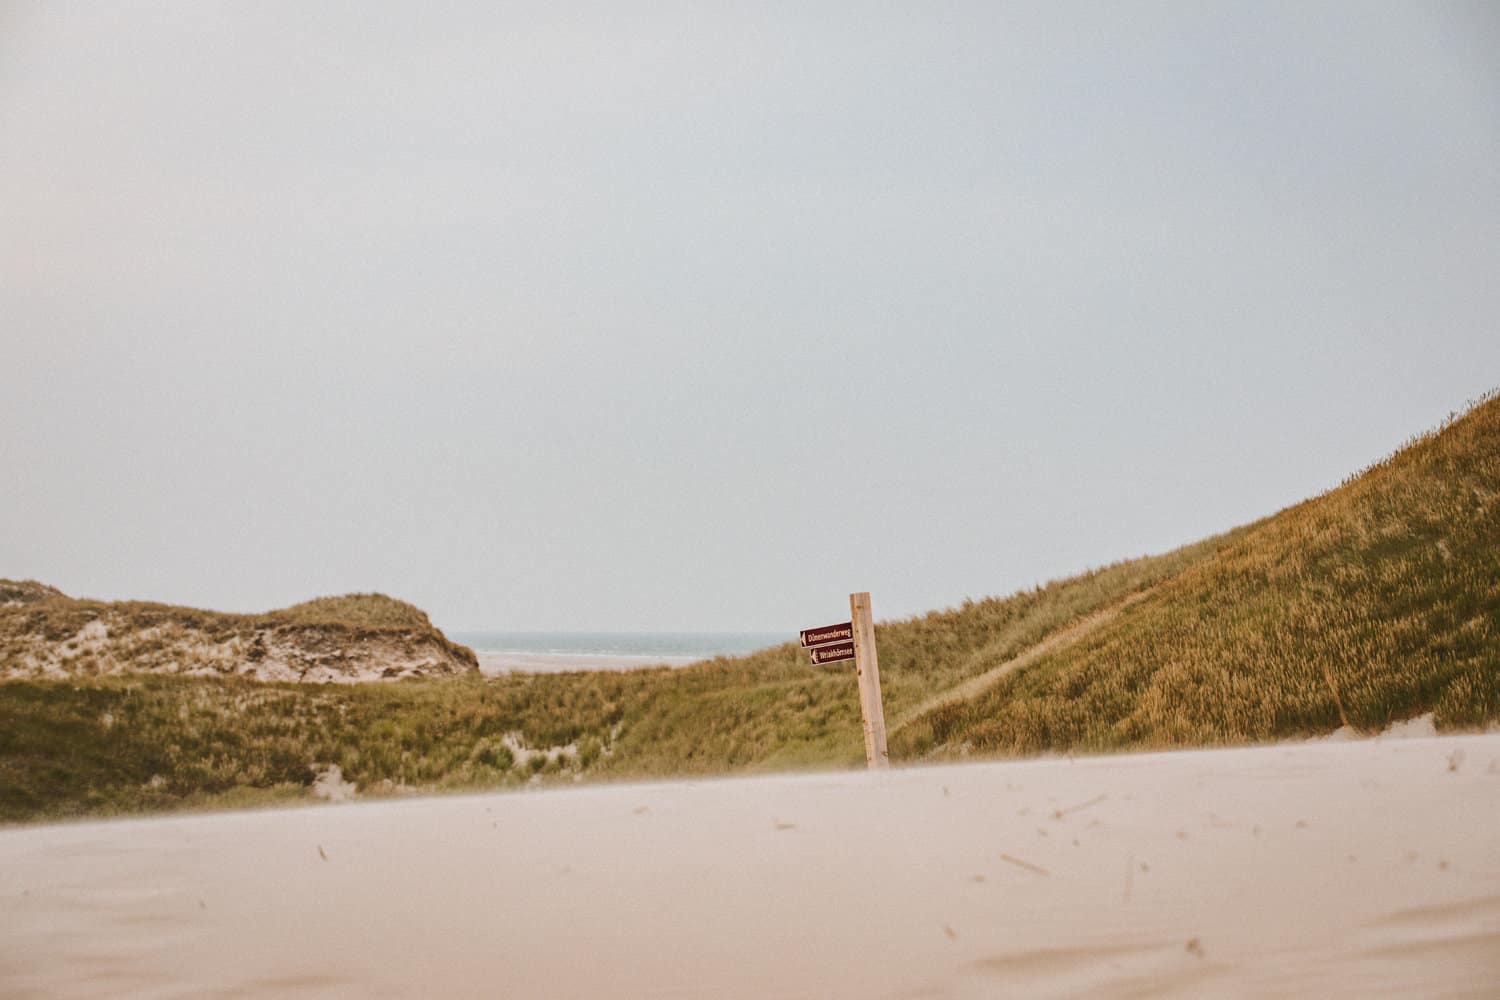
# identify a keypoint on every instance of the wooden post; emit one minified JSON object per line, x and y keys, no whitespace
{"x":867,"y":666}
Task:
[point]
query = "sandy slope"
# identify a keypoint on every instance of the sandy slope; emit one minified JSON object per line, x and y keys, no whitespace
{"x":1334,"y":869}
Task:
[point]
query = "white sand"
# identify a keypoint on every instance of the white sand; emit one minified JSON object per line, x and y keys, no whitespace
{"x":1351,"y":869}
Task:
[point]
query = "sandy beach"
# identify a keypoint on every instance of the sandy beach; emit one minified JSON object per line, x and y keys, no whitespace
{"x":1332,"y":869}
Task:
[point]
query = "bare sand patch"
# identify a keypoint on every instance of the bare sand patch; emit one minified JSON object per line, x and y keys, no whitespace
{"x":1332,"y":869}
{"x":330,"y":785}
{"x":1418,"y":727}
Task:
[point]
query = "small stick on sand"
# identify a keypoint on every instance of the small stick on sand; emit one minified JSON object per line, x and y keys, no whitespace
{"x":1060,"y":813}
{"x":1025,"y":864}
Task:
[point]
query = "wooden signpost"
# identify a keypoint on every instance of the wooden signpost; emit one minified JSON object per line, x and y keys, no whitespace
{"x":855,"y":640}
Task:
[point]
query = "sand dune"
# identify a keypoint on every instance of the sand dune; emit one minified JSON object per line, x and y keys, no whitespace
{"x":1334,"y":869}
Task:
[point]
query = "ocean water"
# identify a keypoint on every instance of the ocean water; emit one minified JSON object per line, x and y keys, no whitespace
{"x":697,"y":644}
{"x":548,"y":652}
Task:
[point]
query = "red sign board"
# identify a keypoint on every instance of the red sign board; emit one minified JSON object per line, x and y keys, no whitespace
{"x":832,"y":653}
{"x":827,"y":633}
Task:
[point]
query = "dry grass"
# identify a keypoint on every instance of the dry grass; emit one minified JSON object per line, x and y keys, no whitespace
{"x":355,"y":611}
{"x":1370,"y":604}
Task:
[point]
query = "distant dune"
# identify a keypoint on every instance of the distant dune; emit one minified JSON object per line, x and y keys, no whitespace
{"x":357,"y":637}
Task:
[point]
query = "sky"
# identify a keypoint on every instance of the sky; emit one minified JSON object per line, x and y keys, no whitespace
{"x":702,"y":316}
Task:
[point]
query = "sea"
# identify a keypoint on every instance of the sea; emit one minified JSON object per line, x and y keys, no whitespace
{"x":553,"y":652}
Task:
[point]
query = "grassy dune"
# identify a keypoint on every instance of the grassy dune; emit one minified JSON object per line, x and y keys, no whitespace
{"x":1376,"y":601}
{"x":107,"y":745}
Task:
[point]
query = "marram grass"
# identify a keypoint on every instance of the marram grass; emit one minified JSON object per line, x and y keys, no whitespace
{"x":1370,"y":604}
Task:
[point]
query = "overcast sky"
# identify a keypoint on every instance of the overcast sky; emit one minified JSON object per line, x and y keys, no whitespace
{"x":701,"y":316}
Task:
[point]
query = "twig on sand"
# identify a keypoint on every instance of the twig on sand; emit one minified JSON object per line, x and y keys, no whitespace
{"x":1060,"y":813}
{"x":1025,"y":864}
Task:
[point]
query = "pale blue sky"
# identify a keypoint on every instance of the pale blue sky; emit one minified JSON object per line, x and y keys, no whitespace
{"x":700,"y":316}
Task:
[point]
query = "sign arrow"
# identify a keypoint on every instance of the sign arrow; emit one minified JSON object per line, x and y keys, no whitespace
{"x":827,"y":633}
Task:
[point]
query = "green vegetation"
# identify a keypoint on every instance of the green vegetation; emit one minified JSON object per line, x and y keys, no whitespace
{"x":109,"y":745}
{"x":119,"y":744}
{"x":1377,"y":601}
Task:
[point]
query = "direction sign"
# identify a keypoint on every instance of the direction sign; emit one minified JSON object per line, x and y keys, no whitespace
{"x":836,"y":643}
{"x":827,"y":634}
{"x":832,"y":653}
